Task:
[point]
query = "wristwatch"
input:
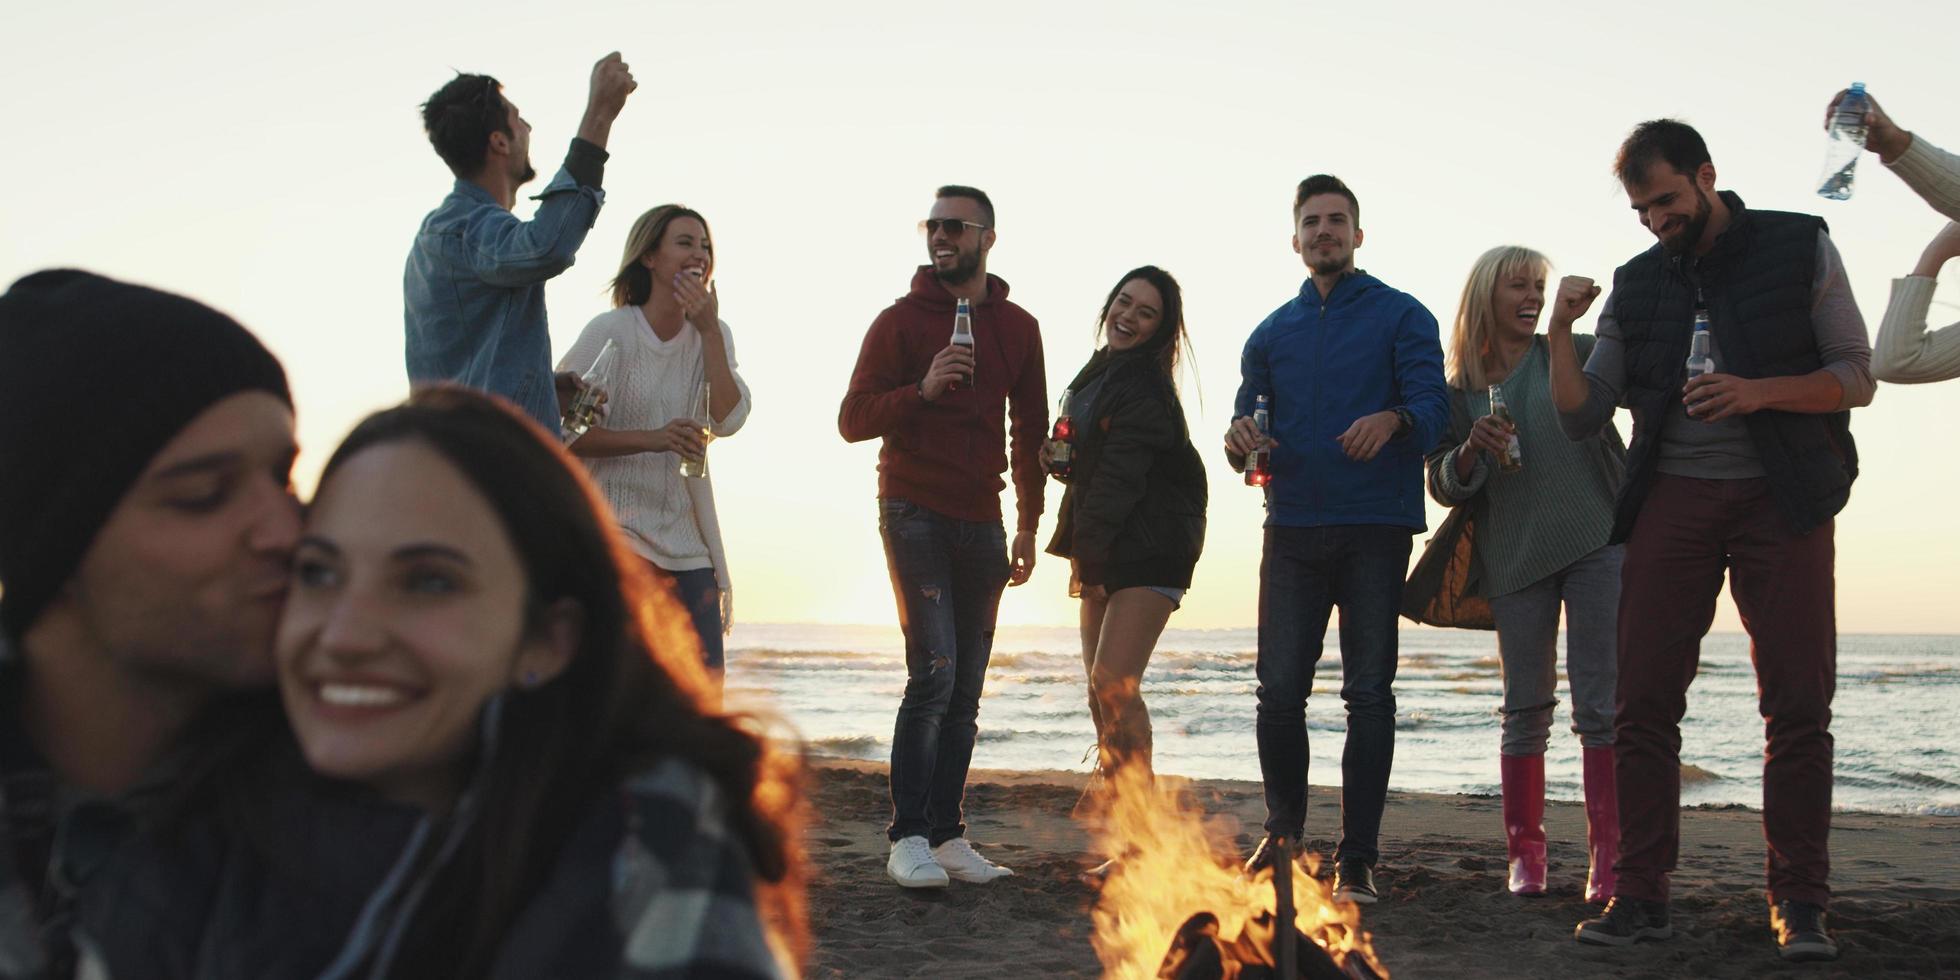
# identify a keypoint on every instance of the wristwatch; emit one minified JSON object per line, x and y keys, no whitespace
{"x":1405,"y":422}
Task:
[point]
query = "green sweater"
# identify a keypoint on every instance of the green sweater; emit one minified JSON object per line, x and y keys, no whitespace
{"x":1557,"y":509}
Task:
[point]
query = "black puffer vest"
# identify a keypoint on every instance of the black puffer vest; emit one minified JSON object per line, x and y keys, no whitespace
{"x":1757,"y":283}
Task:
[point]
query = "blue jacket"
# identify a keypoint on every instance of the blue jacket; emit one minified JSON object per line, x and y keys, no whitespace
{"x":1366,"y":348}
{"x":473,"y":291}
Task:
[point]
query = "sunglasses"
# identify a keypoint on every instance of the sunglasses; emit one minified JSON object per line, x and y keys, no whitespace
{"x":955,"y":227}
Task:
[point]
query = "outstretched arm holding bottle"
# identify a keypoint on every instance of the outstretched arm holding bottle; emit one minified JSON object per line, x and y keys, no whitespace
{"x":1905,"y":351}
{"x":1931,"y":172}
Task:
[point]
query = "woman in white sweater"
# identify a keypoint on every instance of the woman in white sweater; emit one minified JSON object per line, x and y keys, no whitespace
{"x":670,"y":342}
{"x":1906,"y":352}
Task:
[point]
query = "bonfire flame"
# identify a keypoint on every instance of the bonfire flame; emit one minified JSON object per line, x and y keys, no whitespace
{"x":1172,"y":863}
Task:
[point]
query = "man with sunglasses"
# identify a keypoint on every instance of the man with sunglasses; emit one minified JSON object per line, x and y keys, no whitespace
{"x":474,"y":285}
{"x":937,"y":406}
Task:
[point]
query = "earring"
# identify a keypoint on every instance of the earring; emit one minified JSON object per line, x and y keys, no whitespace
{"x":530,"y":679}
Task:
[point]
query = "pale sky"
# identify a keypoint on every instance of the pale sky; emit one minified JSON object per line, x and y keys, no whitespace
{"x":268,"y":159}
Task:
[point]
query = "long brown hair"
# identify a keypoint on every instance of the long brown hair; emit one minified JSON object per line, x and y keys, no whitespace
{"x":633,"y":284}
{"x":1167,"y":346}
{"x":635,"y":693}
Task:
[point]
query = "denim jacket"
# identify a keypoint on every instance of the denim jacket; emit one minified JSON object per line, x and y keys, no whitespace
{"x":474,"y":290}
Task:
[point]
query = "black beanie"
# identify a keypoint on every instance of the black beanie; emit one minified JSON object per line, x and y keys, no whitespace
{"x":95,"y":377}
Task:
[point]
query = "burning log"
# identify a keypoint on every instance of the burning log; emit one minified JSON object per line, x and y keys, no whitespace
{"x":1197,"y":953}
{"x":1176,"y":885}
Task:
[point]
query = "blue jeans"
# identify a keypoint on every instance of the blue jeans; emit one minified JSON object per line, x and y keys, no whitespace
{"x":1305,"y":573}
{"x":701,"y":594}
{"x":947,"y":576}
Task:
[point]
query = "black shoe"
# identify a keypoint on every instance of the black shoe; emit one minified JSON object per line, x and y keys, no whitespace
{"x":1625,"y":922}
{"x":1800,"y":933}
{"x":1354,"y":881}
{"x":1263,"y":855}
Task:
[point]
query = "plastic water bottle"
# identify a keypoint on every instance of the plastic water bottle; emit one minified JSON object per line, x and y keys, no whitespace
{"x":1847,"y":140}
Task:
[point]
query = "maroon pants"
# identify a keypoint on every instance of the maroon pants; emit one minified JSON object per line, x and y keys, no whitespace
{"x":1689,"y":530}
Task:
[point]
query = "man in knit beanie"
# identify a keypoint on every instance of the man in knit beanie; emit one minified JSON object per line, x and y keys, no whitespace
{"x":146,"y":519}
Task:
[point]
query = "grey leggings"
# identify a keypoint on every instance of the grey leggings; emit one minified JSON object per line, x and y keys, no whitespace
{"x":1527,"y":644}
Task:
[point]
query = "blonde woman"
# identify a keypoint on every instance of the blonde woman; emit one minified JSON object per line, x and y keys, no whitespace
{"x":670,"y":341}
{"x":1541,"y":538}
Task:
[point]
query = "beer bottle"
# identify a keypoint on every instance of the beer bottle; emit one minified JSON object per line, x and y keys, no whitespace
{"x":1259,"y":463}
{"x":963,"y":334}
{"x":1701,"y":359}
{"x":1513,"y":458}
{"x":584,"y":413}
{"x":1063,"y":452}
{"x":697,"y":467}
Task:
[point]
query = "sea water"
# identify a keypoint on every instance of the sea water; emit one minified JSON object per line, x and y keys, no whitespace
{"x":1896,"y":715}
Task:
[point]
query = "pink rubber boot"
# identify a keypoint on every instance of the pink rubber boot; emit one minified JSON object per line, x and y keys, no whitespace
{"x":1524,"y":821}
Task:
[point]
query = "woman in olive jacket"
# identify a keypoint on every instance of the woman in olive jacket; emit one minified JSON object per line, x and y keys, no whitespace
{"x":1133,"y":519}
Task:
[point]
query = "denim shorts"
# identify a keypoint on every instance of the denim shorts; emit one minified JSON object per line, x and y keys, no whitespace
{"x":1175,"y":595}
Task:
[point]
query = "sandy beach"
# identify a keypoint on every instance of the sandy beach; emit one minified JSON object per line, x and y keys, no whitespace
{"x":1444,"y":911}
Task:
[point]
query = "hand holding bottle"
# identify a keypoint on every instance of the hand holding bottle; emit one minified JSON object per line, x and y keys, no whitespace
{"x":1882,"y":135}
{"x":569,"y":386}
{"x":1489,"y":435}
{"x":1244,"y":437}
{"x":1714,"y":397}
{"x":949,"y":367}
{"x":681,"y":436}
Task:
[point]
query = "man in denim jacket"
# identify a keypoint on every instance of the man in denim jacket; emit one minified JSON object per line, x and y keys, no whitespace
{"x":474,"y":287}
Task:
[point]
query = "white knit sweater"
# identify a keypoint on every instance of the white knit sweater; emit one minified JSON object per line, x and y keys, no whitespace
{"x":1906,"y":352}
{"x":665,"y":520}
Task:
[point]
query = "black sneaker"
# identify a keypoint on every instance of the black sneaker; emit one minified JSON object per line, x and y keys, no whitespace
{"x":1800,"y":933}
{"x":1262,"y":856}
{"x":1354,"y":881}
{"x":1625,"y":922}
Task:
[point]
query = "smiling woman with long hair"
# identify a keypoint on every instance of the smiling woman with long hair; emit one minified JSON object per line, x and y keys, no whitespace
{"x":1133,"y":519}
{"x":1541,"y":539}
{"x":514,"y":770}
{"x":671,"y":345}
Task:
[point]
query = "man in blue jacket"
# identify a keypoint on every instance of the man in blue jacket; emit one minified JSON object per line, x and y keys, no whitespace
{"x":473,"y":291}
{"x":1353,"y":373}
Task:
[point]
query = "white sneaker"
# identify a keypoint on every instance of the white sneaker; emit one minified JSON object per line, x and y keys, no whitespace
{"x":960,"y":860}
{"x":912,"y":866}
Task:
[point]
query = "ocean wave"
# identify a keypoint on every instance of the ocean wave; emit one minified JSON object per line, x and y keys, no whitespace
{"x":1025,"y":658}
{"x":791,"y":656}
{"x":847,"y":747}
{"x":1925,"y":780}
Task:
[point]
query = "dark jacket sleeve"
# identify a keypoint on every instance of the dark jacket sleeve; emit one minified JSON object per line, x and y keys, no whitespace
{"x":880,"y":395}
{"x":1140,"y":427}
{"x":1419,"y":374}
{"x":1027,"y":414}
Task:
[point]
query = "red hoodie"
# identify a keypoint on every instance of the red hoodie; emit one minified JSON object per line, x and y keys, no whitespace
{"x":947,"y":456}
